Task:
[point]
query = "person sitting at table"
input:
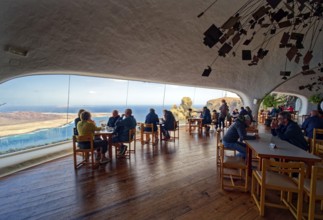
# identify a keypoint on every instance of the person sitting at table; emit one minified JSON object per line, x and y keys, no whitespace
{"x":288,"y":130}
{"x":248,"y":109}
{"x":152,"y":118}
{"x":243,"y":111}
{"x":113,"y":119}
{"x":314,"y":121}
{"x":123,"y":126}
{"x":77,"y":120}
{"x":87,"y":127}
{"x":235,"y":114}
{"x":168,"y":123}
{"x":215,"y":118}
{"x":236,"y":134}
{"x":206,"y":118}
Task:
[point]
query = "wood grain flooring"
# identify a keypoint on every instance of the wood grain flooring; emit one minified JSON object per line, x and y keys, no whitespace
{"x":170,"y":181}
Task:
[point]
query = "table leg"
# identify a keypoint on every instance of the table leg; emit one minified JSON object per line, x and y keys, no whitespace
{"x":249,"y":160}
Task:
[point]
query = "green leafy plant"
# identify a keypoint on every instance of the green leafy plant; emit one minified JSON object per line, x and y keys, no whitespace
{"x":273,"y":100}
{"x":315,"y":99}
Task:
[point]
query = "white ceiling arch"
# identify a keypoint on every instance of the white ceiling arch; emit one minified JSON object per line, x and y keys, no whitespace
{"x":148,"y":40}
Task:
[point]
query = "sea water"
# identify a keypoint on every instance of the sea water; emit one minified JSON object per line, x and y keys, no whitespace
{"x":53,"y":135}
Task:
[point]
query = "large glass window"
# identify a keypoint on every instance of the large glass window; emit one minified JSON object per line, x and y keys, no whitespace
{"x":40,"y":110}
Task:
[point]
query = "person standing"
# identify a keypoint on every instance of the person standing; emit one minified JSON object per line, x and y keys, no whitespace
{"x":224,"y":109}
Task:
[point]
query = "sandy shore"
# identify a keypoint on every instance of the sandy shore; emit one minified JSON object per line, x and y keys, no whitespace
{"x":24,"y":122}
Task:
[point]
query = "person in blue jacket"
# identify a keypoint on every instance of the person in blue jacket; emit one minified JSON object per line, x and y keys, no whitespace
{"x":206,"y":118}
{"x":288,"y":130}
{"x":113,"y":119}
{"x":314,"y":121}
{"x":123,"y":125}
{"x":236,"y":134}
{"x":152,"y":118}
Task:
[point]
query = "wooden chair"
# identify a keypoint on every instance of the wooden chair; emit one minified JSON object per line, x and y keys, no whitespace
{"x":147,"y":133}
{"x":314,"y":189}
{"x":232,"y":167}
{"x":174,"y":131}
{"x":217,"y":145}
{"x":317,"y":144}
{"x":87,"y":154}
{"x":132,"y":139}
{"x":278,"y":176}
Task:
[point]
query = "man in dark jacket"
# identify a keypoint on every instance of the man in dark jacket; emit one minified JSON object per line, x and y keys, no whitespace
{"x":206,"y":118}
{"x":152,"y":118}
{"x":236,"y":134}
{"x":288,"y":130}
{"x":123,"y":126}
{"x":224,"y":109}
{"x":314,"y":121}
{"x":113,"y":119}
{"x":168,"y":123}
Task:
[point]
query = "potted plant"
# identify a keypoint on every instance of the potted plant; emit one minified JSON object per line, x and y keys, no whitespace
{"x":315,"y":99}
{"x":273,"y":100}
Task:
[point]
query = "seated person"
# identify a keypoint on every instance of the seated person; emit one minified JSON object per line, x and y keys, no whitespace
{"x":113,"y":119}
{"x":152,"y":118}
{"x":249,"y":113}
{"x":86,"y":127}
{"x":206,"y":118}
{"x":215,"y":118}
{"x":314,"y":121}
{"x":77,"y":120}
{"x":236,"y":134}
{"x":274,"y":112}
{"x":243,"y":111}
{"x":168,"y":123}
{"x":190,"y":113}
{"x":123,"y":126}
{"x":235,"y":114}
{"x":288,"y":130}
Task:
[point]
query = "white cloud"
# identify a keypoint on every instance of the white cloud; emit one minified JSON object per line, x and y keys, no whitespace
{"x":92,"y":92}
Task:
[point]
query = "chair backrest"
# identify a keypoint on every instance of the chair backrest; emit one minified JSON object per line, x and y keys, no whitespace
{"x":317,"y":174}
{"x":287,"y":168}
{"x":150,"y":126}
{"x":317,"y":144}
{"x":83,"y":138}
{"x":218,"y":137}
{"x":132,"y":134}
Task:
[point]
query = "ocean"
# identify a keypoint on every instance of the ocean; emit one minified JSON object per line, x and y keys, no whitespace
{"x":59,"y":134}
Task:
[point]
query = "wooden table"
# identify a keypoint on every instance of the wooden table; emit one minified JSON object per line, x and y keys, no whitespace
{"x":284,"y":150}
{"x":195,"y":123}
{"x":107,"y":135}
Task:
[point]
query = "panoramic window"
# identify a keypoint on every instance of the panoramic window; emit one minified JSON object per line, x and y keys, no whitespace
{"x":40,"y":110}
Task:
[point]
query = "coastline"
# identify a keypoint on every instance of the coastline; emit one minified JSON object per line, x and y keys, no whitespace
{"x":25,"y":122}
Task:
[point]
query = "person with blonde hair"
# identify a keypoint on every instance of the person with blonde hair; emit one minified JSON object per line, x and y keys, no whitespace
{"x":87,"y":127}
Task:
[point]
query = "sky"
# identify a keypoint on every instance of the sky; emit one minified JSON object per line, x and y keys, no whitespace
{"x":83,"y":90}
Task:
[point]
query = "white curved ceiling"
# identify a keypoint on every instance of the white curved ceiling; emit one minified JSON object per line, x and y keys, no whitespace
{"x":147,"y":40}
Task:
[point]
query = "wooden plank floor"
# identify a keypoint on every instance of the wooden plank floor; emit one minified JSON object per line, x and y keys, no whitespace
{"x":170,"y":181}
